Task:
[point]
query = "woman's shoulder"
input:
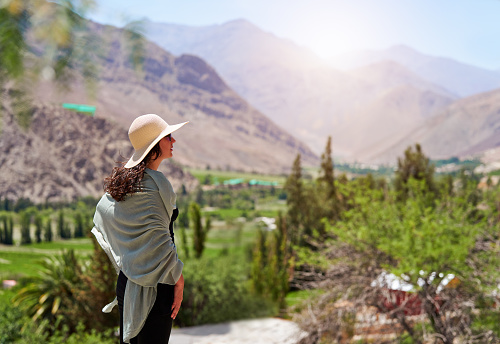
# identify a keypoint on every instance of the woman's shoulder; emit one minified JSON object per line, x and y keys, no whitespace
{"x":148,"y":183}
{"x":158,"y":178}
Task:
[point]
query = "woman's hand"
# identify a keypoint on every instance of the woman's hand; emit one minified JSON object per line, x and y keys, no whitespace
{"x":178,"y":294}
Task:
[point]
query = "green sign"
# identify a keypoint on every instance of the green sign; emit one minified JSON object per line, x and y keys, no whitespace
{"x":80,"y":108}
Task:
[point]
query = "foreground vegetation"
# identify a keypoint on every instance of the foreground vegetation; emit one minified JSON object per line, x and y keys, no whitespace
{"x":64,"y":282}
{"x":418,"y":250}
{"x":420,"y":253}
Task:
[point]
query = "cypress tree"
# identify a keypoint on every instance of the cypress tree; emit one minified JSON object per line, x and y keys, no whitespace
{"x":78,"y":225}
{"x":67,"y":231}
{"x":25,"y":221}
{"x":326,"y":183}
{"x":38,"y":228}
{"x":199,"y":233}
{"x":60,"y":224}
{"x":48,"y":230}
{"x":259,"y":263}
{"x":6,"y":204}
{"x":327,"y":178}
{"x":295,"y":197}
{"x":183,"y":224}
{"x":9,"y":230}
{"x":63,"y":228}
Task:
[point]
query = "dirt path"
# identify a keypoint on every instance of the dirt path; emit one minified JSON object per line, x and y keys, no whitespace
{"x":257,"y":331}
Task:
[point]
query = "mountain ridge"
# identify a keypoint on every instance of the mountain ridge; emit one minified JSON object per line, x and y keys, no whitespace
{"x":467,"y":127}
{"x":63,"y":155}
{"x":314,"y":100}
{"x":458,"y":77}
{"x":187,"y":88}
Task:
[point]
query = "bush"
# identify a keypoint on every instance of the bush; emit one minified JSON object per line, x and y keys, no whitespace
{"x":10,"y":323}
{"x":215,"y":291}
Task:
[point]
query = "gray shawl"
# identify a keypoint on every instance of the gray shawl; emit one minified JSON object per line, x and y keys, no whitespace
{"x":135,"y":235}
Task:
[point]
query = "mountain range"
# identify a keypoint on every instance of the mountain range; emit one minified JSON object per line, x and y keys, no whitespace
{"x":460,"y":78}
{"x":61,"y":156}
{"x":465,"y":128}
{"x":368,"y":101}
{"x":213,"y":77}
{"x":224,"y":132}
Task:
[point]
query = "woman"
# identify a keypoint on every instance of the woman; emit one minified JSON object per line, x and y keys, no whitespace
{"x":134,"y":225}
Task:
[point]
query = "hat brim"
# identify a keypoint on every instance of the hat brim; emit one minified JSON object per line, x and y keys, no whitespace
{"x":139,"y":155}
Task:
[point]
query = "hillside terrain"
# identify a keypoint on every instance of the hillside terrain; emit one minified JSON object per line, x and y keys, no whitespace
{"x":63,"y":155}
{"x":224,"y":132}
{"x":466,"y":127}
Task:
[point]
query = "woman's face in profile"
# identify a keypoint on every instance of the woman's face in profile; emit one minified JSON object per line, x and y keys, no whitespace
{"x":167,"y":146}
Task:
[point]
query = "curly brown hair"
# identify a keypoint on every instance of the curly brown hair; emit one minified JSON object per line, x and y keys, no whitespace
{"x":123,"y":181}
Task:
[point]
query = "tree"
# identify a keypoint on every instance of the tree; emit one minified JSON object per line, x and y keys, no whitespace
{"x":327,"y":177}
{"x":327,"y":204}
{"x":199,"y":232}
{"x":271,"y":262}
{"x":295,"y":197}
{"x":38,"y":228}
{"x":414,"y":165}
{"x":199,"y":195}
{"x":25,"y":222}
{"x":63,"y":228}
{"x":48,"y":230}
{"x":183,"y":221}
{"x":8,"y":229}
{"x":52,"y":38}
{"x":78,"y":225}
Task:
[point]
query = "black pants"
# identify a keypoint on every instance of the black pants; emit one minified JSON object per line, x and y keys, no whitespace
{"x":159,"y":323}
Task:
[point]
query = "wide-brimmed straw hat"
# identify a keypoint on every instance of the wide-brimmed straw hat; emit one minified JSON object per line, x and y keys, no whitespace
{"x":145,"y":132}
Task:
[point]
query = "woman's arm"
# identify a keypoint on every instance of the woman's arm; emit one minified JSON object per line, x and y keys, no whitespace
{"x":178,"y":295}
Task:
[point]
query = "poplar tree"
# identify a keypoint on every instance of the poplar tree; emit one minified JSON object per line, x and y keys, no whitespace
{"x":78,"y":225}
{"x":295,"y":201}
{"x":38,"y":228}
{"x":60,"y":225}
{"x":63,"y":228}
{"x":183,"y":221}
{"x":271,"y":262}
{"x":25,"y":221}
{"x":327,"y":178}
{"x":8,"y":228}
{"x":199,"y":232}
{"x":326,"y":185}
{"x":48,"y":230}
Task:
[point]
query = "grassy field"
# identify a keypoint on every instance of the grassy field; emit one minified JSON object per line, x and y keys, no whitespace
{"x":229,"y":242}
{"x":221,"y":176}
{"x":20,"y":261}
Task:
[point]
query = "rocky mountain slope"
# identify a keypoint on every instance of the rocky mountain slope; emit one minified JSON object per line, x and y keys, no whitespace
{"x":64,"y":155}
{"x":224,"y":130}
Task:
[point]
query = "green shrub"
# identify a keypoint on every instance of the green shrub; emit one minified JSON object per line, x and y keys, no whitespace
{"x":10,"y":323}
{"x":216,"y":291}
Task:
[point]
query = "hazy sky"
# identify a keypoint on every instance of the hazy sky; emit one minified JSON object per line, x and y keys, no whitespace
{"x":466,"y":30}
